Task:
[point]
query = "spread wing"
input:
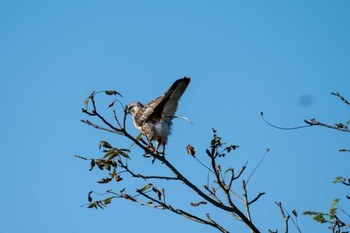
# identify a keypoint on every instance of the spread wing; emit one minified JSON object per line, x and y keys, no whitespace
{"x":169,"y":105}
{"x":165,"y":105}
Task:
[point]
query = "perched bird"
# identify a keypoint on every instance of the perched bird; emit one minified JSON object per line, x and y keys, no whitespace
{"x":154,"y":119}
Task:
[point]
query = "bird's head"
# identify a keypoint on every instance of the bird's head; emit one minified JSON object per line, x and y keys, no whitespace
{"x":133,"y":108}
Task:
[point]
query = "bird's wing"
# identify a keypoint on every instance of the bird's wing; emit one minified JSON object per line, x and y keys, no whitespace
{"x":173,"y":96}
{"x":146,"y":111}
{"x":165,"y":105}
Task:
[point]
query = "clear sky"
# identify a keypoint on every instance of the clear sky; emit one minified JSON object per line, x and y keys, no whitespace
{"x":243,"y":57}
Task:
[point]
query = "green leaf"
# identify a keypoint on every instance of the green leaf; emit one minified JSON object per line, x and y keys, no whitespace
{"x":335,"y":202}
{"x":320,"y":218}
{"x":124,"y":154}
{"x":114,"y":171}
{"x":80,"y":157}
{"x":107,"y":201}
{"x":112,"y":92}
{"x":93,"y":205}
{"x":105,"y":145}
{"x":86,"y":101}
{"x":317,"y":216}
{"x":338,"y":179}
{"x":228,"y":170}
{"x":99,"y":164}
{"x":340,"y":125}
{"x":332,"y":213}
{"x":113,"y":163}
{"x":107,"y":166}
{"x":146,"y":187}
{"x":111,"y":154}
{"x":310,"y":213}
{"x":139,"y":137}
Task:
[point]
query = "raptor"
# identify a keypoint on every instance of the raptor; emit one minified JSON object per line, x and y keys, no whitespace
{"x":154,"y":119}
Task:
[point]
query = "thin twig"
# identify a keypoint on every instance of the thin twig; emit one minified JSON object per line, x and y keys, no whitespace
{"x":144,"y":176}
{"x":313,"y":122}
{"x":99,"y":127}
{"x":282,"y":128}
{"x":255,"y":199}
{"x":232,"y":209}
{"x":246,"y":202}
{"x":184,"y":213}
{"x":341,"y":97}
{"x":285,"y":217}
{"x":116,"y":118}
{"x":257,"y":166}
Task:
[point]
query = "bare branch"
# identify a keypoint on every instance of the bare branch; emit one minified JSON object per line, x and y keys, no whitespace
{"x":313,"y":122}
{"x":255,"y":199}
{"x":184,"y":213}
{"x":257,"y":166}
{"x":241,"y":172}
{"x":99,"y":127}
{"x":213,"y":194}
{"x":246,"y":202}
{"x":285,"y":217}
{"x":116,"y":119}
{"x":232,"y":209}
{"x":144,"y":176}
{"x":150,"y":204}
{"x":282,"y":128}
{"x":341,"y":97}
{"x":213,"y":222}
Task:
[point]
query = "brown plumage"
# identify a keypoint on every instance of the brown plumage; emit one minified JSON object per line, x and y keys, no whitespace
{"x":155,"y":118}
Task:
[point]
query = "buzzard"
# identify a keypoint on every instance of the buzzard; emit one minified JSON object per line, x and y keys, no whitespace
{"x":154,"y":119}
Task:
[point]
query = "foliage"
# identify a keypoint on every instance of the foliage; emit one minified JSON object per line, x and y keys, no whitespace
{"x":116,"y":162}
{"x":336,"y":225}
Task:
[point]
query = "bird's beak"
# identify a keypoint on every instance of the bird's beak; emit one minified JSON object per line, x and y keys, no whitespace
{"x":126,"y":110}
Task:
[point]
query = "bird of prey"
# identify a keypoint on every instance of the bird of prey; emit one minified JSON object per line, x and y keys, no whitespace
{"x":154,"y":119}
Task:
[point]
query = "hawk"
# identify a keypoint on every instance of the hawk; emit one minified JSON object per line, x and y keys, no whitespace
{"x":154,"y":119}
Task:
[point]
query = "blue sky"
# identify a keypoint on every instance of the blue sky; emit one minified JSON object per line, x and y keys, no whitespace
{"x":243,"y":58}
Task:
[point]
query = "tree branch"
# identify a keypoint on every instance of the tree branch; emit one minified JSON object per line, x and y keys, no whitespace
{"x":341,"y":98}
{"x":232,"y":209}
{"x":144,"y":176}
{"x":185,"y":214}
{"x":285,"y":217}
{"x":313,"y":122}
{"x":178,"y":176}
{"x":99,"y":127}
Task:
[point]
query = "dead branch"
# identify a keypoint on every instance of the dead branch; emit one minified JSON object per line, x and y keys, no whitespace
{"x":184,"y":213}
{"x":285,"y":217}
{"x":341,"y":98}
{"x":314,"y":122}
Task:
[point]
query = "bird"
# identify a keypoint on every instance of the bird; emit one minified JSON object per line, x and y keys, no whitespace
{"x":154,"y":120}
